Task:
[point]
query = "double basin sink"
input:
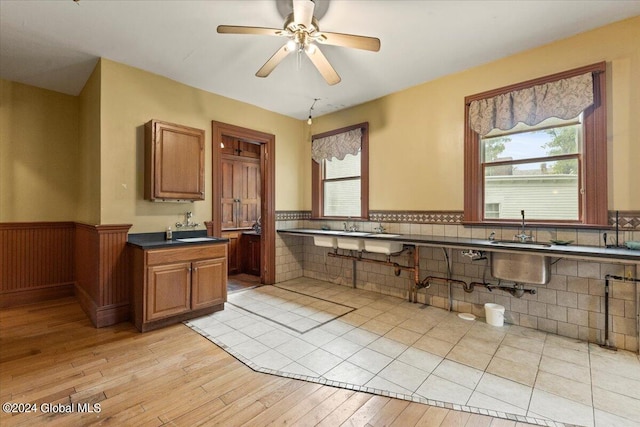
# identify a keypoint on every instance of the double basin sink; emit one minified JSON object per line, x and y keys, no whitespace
{"x":358,"y":241}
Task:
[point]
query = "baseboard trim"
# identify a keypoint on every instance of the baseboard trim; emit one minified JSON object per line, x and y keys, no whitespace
{"x":36,"y":294}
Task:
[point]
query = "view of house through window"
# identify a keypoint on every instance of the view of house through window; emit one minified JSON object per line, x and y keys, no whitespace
{"x":535,"y":168}
{"x":341,"y":186}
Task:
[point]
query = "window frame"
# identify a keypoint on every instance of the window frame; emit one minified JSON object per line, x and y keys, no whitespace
{"x":593,"y":203}
{"x":317,"y":182}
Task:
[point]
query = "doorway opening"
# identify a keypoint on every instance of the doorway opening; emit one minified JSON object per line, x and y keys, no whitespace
{"x":243,"y":178}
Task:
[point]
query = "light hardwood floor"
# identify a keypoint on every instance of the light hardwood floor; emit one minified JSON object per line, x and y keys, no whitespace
{"x":51,"y":354}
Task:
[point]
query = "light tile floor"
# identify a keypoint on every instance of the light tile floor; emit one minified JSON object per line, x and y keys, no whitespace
{"x":321,"y":332}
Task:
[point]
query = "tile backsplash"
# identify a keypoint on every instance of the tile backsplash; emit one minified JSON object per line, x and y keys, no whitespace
{"x":571,"y":304}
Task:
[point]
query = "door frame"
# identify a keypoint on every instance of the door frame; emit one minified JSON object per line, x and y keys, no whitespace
{"x":267,"y":143}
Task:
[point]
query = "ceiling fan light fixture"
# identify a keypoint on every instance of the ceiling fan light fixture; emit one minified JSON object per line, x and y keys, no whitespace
{"x":302,"y":30}
{"x":310,"y":48}
{"x":291,"y":46}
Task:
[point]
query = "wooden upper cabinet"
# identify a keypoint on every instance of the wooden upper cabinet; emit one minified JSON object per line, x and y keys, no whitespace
{"x":237,"y":147}
{"x":174,"y":162}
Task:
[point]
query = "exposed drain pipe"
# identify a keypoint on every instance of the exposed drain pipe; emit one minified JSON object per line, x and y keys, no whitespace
{"x":426,"y":282}
{"x":398,"y":268}
{"x":517,"y":290}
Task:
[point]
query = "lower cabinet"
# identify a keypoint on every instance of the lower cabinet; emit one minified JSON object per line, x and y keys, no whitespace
{"x":174,"y":284}
{"x":234,"y":251}
{"x":250,"y":251}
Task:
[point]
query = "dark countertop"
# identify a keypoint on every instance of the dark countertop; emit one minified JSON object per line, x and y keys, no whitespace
{"x":157,"y":240}
{"x":560,"y":251}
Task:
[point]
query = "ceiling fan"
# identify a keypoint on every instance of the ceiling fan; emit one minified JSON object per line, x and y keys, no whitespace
{"x":303,"y":32}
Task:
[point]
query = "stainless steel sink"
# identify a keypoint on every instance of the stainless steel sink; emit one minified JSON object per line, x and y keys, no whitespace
{"x":516,"y":244}
{"x":521,"y":267}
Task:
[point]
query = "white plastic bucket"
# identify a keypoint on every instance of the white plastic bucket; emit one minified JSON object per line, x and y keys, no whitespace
{"x":494,"y":313}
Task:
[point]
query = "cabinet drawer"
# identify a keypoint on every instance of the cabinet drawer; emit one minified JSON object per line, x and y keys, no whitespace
{"x":185,"y":253}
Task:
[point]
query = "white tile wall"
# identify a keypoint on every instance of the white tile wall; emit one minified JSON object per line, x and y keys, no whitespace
{"x":571,"y":304}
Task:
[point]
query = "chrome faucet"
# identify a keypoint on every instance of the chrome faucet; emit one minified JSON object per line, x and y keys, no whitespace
{"x":347,"y":227}
{"x":379,"y":229}
{"x":523,"y":236}
{"x":188,"y":223}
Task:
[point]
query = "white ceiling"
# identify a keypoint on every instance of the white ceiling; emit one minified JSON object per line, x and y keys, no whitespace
{"x":55,"y":44}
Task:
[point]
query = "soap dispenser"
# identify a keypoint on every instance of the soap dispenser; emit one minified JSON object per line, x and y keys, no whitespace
{"x":169,"y":234}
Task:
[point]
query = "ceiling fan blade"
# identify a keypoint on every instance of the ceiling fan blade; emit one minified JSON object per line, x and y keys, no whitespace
{"x":349,"y":40}
{"x":303,"y":12}
{"x":235,"y":29}
{"x":322,"y":64}
{"x":277,"y":57}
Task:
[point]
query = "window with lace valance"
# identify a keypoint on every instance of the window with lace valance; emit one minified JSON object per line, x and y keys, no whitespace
{"x":538,"y":146}
{"x":340,"y":173}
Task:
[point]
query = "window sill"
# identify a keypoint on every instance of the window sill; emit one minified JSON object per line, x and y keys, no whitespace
{"x":338,"y":218}
{"x":533,"y":224}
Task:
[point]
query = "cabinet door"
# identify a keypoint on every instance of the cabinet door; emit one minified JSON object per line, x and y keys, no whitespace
{"x":240,"y":198}
{"x":178,"y":162}
{"x":236,"y":147}
{"x":228,"y":198}
{"x":248,"y":149}
{"x":233,"y":254}
{"x":250,"y":250}
{"x":228,"y":145}
{"x":249,"y":193}
{"x":169,"y":290}
{"x":209,"y":283}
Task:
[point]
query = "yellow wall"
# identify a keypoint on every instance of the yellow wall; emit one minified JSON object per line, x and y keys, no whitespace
{"x":130,"y":97}
{"x":80,"y":158}
{"x":38,"y":154}
{"x":88,"y":210}
{"x":416,"y":135}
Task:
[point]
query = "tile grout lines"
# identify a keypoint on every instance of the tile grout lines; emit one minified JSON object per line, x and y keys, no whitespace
{"x":413,"y":397}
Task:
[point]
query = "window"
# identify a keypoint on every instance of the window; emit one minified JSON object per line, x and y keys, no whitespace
{"x":341,"y":186}
{"x":535,"y":168}
{"x":340,"y":178}
{"x":492,"y":210}
{"x":553,"y":169}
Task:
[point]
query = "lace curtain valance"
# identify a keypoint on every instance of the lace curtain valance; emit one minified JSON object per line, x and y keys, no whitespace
{"x":564,"y":99}
{"x":338,"y":145}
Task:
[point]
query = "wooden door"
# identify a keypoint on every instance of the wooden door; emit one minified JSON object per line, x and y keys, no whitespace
{"x":249,"y":193}
{"x":169,"y":290}
{"x":209,"y":283}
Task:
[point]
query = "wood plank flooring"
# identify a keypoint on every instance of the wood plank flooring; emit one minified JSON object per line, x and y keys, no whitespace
{"x":51,"y":354}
